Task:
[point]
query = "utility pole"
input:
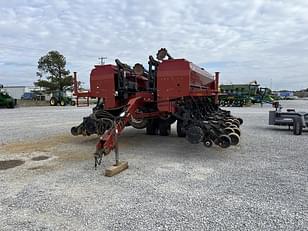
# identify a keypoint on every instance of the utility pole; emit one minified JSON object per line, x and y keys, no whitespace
{"x":102,"y":62}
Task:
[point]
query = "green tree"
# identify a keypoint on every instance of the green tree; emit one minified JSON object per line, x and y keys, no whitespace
{"x":52,"y":66}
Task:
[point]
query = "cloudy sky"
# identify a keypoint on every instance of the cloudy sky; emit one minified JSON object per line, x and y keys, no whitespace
{"x":248,"y":40}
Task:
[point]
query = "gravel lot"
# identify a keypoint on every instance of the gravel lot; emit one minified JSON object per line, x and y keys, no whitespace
{"x":260,"y":184}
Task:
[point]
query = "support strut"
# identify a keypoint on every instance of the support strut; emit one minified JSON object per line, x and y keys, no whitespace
{"x":109,"y":140}
{"x":119,"y":166}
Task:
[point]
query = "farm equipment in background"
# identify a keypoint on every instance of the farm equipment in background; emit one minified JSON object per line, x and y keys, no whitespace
{"x":59,"y":98}
{"x":263,"y":96}
{"x":239,"y":95}
{"x":5,"y":99}
{"x":169,"y":90}
{"x":290,"y":118}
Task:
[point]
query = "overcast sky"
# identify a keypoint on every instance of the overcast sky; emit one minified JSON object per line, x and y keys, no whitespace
{"x":247,"y":40}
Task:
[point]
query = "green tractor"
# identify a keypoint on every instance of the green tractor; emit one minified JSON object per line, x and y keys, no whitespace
{"x":60,"y":98}
{"x":264,"y":95}
{"x":6,"y":100}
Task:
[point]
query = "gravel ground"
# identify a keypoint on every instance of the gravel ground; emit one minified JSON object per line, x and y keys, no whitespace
{"x":38,"y":122}
{"x":260,"y":184}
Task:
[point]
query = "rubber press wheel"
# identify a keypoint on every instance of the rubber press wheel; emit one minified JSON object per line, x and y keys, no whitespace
{"x":240,"y":120}
{"x":224,"y":141}
{"x":237,"y":131}
{"x":236,"y":122}
{"x":234,"y":126}
{"x":228,"y":130}
{"x":208,"y":143}
{"x":235,"y":139}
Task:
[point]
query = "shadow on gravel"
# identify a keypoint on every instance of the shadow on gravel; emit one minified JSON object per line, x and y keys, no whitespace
{"x":280,"y":129}
{"x":6,"y":164}
{"x":38,"y":158}
{"x":284,"y":129}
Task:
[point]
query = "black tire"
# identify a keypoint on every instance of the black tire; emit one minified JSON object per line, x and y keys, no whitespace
{"x":234,"y":126}
{"x":235,"y":139}
{"x":227,"y":124}
{"x":224,"y":141}
{"x":237,"y":131}
{"x":164,"y":128}
{"x":180,"y":129}
{"x":228,"y":130}
{"x":152,"y":127}
{"x":10,"y":105}
{"x":53,"y":101}
{"x":74,"y":131}
{"x":138,"y":124}
{"x":194,"y":134}
{"x":240,"y":120}
{"x":73,"y":103}
{"x":62,"y":102}
{"x":297,"y":127}
{"x":236,"y":122}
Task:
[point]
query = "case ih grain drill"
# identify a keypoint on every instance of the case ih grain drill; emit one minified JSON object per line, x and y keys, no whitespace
{"x":170,"y":90}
